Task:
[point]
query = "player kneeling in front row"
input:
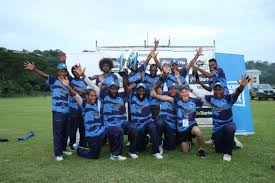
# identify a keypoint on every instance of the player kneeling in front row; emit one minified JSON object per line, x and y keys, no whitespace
{"x":224,"y":128}
{"x":95,"y":131}
{"x":142,"y":123}
{"x":187,"y":127}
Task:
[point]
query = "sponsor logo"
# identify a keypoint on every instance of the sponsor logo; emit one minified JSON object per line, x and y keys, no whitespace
{"x":232,"y":86}
{"x":192,"y":79}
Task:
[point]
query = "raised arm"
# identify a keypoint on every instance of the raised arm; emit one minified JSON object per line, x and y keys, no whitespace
{"x":154,"y":56}
{"x":177,"y":74}
{"x":191,"y":63}
{"x":208,"y":88}
{"x":162,"y":77}
{"x":239,"y":90}
{"x":127,"y":89}
{"x":31,"y":67}
{"x":62,"y":57}
{"x":65,"y":82}
{"x":205,"y":73}
{"x":156,"y":43}
{"x":162,"y":97}
{"x":81,"y":72}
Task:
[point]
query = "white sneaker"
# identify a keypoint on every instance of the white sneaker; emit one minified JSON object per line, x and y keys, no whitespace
{"x":59,"y":158}
{"x":133,"y":156}
{"x":67,"y":153}
{"x":210,"y":141}
{"x":226,"y":157}
{"x":118,"y":157}
{"x":75,"y":145}
{"x":238,"y":143}
{"x":161,"y":149}
{"x":158,"y":156}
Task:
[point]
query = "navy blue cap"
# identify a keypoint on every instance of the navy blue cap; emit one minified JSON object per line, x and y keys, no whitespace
{"x":185,"y":86}
{"x":174,"y":85}
{"x":61,"y":66}
{"x":174,"y":61}
{"x":141,"y":85}
{"x":218,"y":84}
{"x":113,"y":84}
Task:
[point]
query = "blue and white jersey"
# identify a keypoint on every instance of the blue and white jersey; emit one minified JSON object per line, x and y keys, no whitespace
{"x":168,"y":112}
{"x":150,"y":82}
{"x":221,"y":110}
{"x":186,"y":113}
{"x":141,"y":111}
{"x":75,"y":84}
{"x":93,"y":125}
{"x":136,"y":77}
{"x":60,"y":95}
{"x":110,"y":78}
{"x":171,"y":78}
{"x":114,"y":111}
{"x":219,"y":76}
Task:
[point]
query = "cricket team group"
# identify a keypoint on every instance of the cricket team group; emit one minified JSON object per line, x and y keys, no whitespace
{"x":143,"y":112}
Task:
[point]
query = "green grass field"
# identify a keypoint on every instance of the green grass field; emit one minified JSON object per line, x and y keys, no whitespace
{"x":32,"y":160}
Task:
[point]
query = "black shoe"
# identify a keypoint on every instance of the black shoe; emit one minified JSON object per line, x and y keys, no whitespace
{"x":202,"y":153}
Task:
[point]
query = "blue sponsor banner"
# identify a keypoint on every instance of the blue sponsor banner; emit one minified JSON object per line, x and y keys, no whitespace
{"x":234,"y":67}
{"x":167,"y":61}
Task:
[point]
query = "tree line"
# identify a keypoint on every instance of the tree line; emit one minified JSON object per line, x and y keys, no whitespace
{"x":15,"y":81}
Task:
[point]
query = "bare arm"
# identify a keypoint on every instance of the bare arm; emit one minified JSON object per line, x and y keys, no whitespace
{"x":154,"y":56}
{"x":177,"y":74}
{"x":62,"y":57}
{"x":65,"y":82}
{"x":81,"y":72}
{"x":205,"y":73}
{"x":148,"y":58}
{"x":31,"y":67}
{"x":127,"y":89}
{"x":198,"y":53}
{"x":162,"y":97}
{"x":243,"y":82}
{"x":162,"y":77}
{"x":208,"y":88}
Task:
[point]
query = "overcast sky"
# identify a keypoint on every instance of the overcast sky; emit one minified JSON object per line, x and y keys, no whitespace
{"x":238,"y":26}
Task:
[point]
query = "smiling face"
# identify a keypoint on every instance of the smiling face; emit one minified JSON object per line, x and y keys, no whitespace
{"x":173,"y":91}
{"x":184,"y":94}
{"x":153,"y":70}
{"x":140,"y":93}
{"x":174,"y":67}
{"x":62,"y":73}
{"x":218,"y":92}
{"x":212,"y":65}
{"x":106,"y":68}
{"x":91,"y":96}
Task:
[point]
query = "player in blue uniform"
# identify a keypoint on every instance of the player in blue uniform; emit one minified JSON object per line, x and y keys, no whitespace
{"x":224,"y":127}
{"x":94,"y":129}
{"x":76,"y":117}
{"x":216,"y":74}
{"x":171,"y":78}
{"x":142,"y":123}
{"x":60,"y":107}
{"x":167,"y":118}
{"x":185,"y":121}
